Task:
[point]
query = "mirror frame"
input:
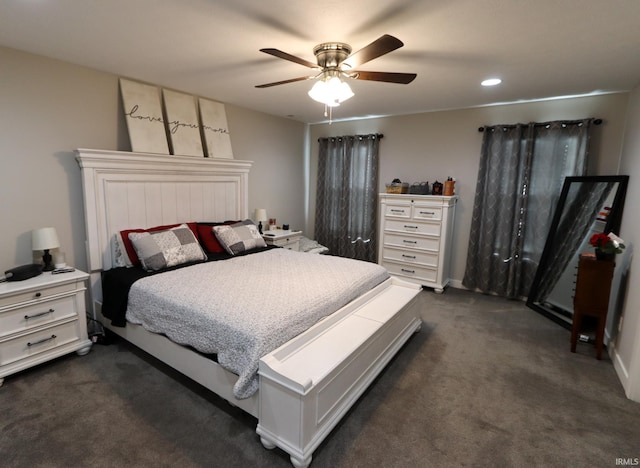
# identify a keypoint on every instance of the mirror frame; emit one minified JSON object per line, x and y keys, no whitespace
{"x":614,"y":221}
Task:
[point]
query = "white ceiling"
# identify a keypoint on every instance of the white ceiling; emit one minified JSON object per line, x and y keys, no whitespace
{"x":540,"y":48}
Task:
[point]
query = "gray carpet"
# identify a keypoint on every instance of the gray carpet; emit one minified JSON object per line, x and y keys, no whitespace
{"x":486,"y":382}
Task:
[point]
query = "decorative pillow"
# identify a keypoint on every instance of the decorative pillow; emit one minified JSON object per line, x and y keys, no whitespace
{"x":162,"y":249}
{"x":208,"y":239}
{"x":239,"y":237}
{"x":131,"y":251}
{"x":118,"y":252}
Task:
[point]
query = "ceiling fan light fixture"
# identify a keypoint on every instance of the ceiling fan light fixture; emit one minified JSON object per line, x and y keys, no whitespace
{"x":491,"y":82}
{"x":330,"y":91}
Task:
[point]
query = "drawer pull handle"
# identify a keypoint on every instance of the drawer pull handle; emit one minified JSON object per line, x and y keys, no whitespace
{"x":408,"y":271}
{"x":428,"y":212}
{"x":409,"y":256}
{"x":410,"y":227}
{"x":409,"y":241}
{"x":50,"y":311}
{"x":44,"y":340}
{"x":396,"y":211}
{"x":38,"y":294}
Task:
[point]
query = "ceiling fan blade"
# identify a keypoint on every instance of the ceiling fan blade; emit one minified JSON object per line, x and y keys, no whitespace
{"x":291,"y":58}
{"x":387,"y":77}
{"x":276,"y":83}
{"x":382,"y":45}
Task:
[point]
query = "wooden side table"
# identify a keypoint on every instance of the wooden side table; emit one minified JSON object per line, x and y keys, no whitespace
{"x":593,"y":287}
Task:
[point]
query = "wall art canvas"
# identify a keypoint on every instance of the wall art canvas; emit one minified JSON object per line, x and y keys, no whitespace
{"x":143,"y":113}
{"x":215,"y":129}
{"x":182,"y":123}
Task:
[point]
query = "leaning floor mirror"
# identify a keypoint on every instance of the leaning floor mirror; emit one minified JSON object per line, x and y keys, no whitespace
{"x":587,"y":205}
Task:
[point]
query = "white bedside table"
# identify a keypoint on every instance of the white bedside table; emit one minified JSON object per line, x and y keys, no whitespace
{"x":281,"y":238}
{"x":42,"y":318}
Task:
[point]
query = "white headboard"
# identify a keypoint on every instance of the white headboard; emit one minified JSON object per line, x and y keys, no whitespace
{"x":137,"y":190}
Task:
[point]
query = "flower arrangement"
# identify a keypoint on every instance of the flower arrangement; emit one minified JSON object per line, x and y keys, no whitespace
{"x":607,"y":245}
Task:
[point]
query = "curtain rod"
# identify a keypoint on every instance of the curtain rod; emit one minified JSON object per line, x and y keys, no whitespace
{"x":595,"y":122}
{"x":380,"y":136}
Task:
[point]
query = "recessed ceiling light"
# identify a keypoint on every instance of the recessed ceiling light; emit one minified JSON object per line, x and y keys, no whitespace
{"x":491,"y":82}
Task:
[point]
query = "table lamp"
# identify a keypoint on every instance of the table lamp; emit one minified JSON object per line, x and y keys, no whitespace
{"x":45,"y":239}
{"x":260,"y":215}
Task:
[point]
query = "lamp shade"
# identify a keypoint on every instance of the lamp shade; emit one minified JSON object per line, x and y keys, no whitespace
{"x":44,"y":239}
{"x":331,"y":92}
{"x":261,"y":215}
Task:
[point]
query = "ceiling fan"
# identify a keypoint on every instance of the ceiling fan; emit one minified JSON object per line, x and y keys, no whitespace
{"x":335,"y":62}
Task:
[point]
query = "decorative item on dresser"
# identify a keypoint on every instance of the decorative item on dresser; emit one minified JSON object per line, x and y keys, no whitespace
{"x":42,"y":318}
{"x":415,"y":237}
{"x":283,"y":238}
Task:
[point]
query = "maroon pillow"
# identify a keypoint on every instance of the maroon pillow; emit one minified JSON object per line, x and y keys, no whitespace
{"x":131,"y":252}
{"x":208,"y":239}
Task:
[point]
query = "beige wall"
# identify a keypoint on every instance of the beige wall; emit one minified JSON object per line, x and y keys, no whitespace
{"x":49,"y":108}
{"x":627,"y":346}
{"x":436,"y":145}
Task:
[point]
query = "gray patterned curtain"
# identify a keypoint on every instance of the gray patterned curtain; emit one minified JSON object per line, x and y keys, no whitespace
{"x":522,"y":169}
{"x":581,"y":207}
{"x":346,"y":200}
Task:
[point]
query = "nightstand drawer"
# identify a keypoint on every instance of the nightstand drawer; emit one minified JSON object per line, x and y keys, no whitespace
{"x":295,"y":245}
{"x":413,"y":227}
{"x":38,"y":294}
{"x":25,"y":318}
{"x":38,"y":342}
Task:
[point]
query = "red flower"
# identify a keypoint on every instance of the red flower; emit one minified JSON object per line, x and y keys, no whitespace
{"x":600,"y":240}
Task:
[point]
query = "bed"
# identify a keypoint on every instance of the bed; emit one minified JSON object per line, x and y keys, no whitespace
{"x":307,"y":383}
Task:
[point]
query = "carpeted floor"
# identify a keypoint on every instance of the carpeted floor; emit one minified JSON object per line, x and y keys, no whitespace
{"x":486,"y":382}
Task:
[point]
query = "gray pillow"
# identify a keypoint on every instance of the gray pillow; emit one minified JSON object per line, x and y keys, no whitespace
{"x":239,"y":237}
{"x":161,"y":249}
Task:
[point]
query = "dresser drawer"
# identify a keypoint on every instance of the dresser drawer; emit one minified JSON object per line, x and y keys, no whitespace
{"x":38,"y":342}
{"x":426,"y":212}
{"x":413,"y":227}
{"x":412,"y":271}
{"x":398,"y":210}
{"x":411,"y":256}
{"x":414,"y":242}
{"x":38,"y":294}
{"x":25,"y":318}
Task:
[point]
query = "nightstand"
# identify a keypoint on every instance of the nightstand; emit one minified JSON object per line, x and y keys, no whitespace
{"x":285,"y":239}
{"x":42,"y":318}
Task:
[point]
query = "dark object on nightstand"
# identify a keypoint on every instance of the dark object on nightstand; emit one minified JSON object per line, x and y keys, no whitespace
{"x":23,"y":272}
{"x":593,"y":287}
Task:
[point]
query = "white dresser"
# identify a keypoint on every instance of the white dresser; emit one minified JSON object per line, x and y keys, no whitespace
{"x":415,"y":236}
{"x":42,"y":318}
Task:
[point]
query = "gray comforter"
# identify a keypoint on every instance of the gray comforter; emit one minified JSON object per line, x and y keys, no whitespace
{"x":245,"y":307}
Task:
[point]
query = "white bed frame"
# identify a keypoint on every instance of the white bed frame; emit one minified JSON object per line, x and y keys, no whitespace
{"x":306,"y":385}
